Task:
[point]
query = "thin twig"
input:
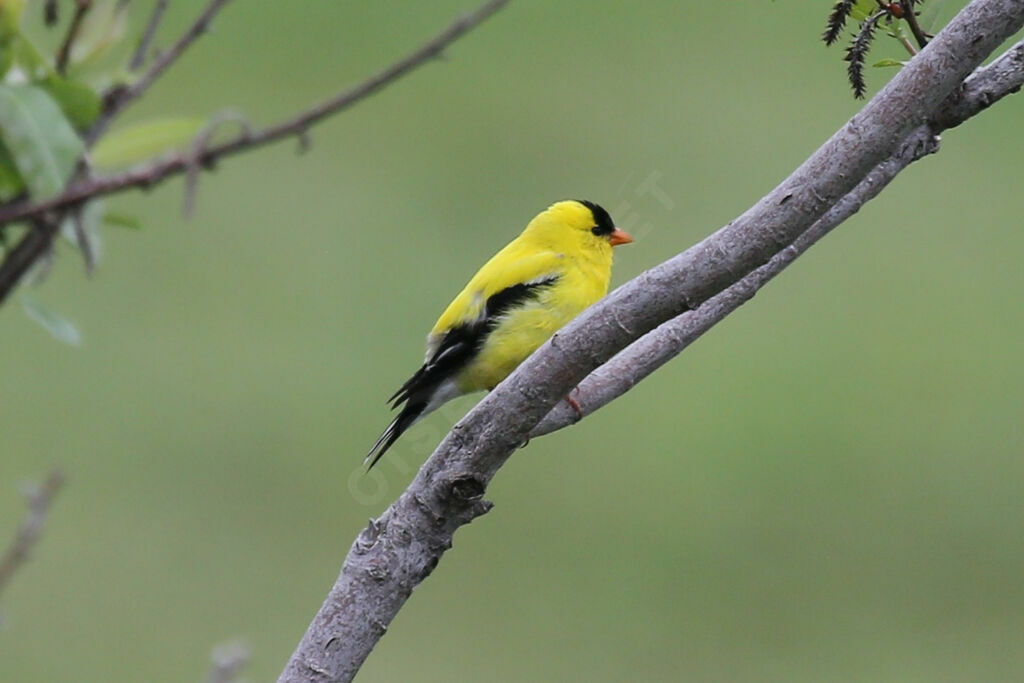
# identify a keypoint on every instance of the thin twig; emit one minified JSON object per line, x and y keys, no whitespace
{"x":119,"y":99}
{"x":907,"y":45}
{"x":83,"y":238}
{"x":1000,"y":78}
{"x":50,"y":13}
{"x":82,"y":8}
{"x":39,"y":500}
{"x":146,"y":41}
{"x":155,"y":172}
{"x":198,"y":148}
{"x":915,"y":26}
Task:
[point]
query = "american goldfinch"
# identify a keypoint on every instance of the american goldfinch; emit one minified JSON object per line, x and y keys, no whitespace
{"x":559,"y":265}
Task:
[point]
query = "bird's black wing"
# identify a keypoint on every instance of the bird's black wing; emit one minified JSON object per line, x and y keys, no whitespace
{"x":458,"y":346}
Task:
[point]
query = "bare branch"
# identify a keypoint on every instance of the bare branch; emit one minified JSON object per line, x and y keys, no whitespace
{"x":18,"y":261}
{"x":1002,"y":77}
{"x":82,"y":8}
{"x":39,"y":500}
{"x":39,"y":239}
{"x":197,"y":151}
{"x":83,"y":239}
{"x":119,"y":99}
{"x":157,"y":171}
{"x":146,"y":41}
{"x":403,"y":546}
{"x":915,"y":26}
{"x":638,"y":360}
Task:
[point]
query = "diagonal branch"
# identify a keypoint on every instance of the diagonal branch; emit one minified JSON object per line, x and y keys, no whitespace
{"x":403,"y":546}
{"x":153,"y":173}
{"x":915,"y":27}
{"x":39,"y":501}
{"x":1002,"y":77}
{"x":638,"y":360}
{"x":146,"y":41}
{"x":37,"y":241}
{"x":82,"y":8}
{"x":119,"y":99}
{"x":33,"y":246}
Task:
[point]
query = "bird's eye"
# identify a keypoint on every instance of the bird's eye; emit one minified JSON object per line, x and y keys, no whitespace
{"x":597,"y":231}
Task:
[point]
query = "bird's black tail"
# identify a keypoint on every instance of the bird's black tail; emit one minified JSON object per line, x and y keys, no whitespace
{"x":411,"y":412}
{"x":419,"y":392}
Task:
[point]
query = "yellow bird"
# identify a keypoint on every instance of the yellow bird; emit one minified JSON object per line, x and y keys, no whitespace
{"x":558,"y":266}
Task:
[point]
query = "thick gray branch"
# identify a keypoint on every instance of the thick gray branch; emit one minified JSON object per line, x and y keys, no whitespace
{"x":399,"y":549}
{"x":989,"y":85}
{"x":620,"y":374}
{"x":638,"y":360}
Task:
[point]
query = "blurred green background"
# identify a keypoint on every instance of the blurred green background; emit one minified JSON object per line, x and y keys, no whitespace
{"x":826,"y":487}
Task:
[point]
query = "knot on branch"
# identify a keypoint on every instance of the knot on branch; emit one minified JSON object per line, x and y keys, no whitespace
{"x":920,"y":147}
{"x":369,"y":536}
{"x":378,"y":570}
{"x":463,"y":496}
{"x":113,"y":97}
{"x":467,"y":488}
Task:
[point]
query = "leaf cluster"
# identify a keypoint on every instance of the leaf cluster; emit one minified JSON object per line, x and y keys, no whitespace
{"x":59,"y":66}
{"x":900,"y":20}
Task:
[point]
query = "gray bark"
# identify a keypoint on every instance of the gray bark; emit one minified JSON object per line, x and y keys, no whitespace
{"x":402,"y":547}
{"x":638,"y":360}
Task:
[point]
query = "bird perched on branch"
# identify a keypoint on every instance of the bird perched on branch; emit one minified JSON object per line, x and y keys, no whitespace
{"x":558,"y":266}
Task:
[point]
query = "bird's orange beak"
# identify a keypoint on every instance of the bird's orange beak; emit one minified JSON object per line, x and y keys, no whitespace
{"x":619,"y":237}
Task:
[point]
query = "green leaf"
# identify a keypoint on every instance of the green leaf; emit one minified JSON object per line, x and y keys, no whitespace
{"x":29,"y":59}
{"x":78,"y":101}
{"x":10,"y":17}
{"x":6,"y":55}
{"x":122,"y":220}
{"x":893,"y":29}
{"x":103,"y":28}
{"x":60,"y":327}
{"x":888,"y":62}
{"x":137,"y":143}
{"x":43,"y":145}
{"x":11,"y":182}
{"x":863,"y":9}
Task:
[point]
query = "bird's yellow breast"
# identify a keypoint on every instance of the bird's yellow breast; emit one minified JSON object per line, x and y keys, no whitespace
{"x":581,"y":282}
{"x":540,"y":281}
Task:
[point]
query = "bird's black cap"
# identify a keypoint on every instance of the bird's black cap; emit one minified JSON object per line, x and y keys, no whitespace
{"x":602,"y":221}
